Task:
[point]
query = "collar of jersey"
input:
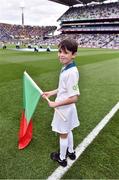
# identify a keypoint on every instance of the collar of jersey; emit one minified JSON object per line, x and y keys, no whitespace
{"x":69,"y":66}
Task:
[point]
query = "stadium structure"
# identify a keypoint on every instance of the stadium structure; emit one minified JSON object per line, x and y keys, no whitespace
{"x":23,"y":33}
{"x":93,"y":24}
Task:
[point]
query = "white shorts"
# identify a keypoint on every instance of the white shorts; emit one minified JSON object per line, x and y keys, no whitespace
{"x":70,"y":114}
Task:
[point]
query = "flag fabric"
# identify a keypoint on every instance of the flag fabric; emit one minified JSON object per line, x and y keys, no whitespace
{"x":31,"y":96}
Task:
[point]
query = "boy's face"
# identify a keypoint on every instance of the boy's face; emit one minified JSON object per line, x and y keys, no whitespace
{"x":65,"y":56}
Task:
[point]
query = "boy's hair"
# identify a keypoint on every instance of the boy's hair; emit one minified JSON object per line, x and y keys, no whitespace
{"x":69,"y":44}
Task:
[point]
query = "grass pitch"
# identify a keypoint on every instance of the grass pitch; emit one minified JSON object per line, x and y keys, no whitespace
{"x":99,"y":87}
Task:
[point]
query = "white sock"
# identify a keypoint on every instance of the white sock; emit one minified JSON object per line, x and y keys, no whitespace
{"x":70,"y":142}
{"x":63,"y":147}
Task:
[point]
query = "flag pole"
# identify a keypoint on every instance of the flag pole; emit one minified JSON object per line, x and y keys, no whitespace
{"x":60,"y":114}
{"x":41,"y":92}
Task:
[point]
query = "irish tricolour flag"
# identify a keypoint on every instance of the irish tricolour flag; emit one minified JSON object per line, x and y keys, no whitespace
{"x":31,"y":96}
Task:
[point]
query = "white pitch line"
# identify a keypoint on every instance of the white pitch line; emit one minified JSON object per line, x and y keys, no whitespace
{"x":60,"y":171}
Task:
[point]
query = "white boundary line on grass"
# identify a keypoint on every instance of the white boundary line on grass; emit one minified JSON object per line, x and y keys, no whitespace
{"x":60,"y":171}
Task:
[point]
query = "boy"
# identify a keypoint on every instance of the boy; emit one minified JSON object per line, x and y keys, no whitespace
{"x":67,"y":95}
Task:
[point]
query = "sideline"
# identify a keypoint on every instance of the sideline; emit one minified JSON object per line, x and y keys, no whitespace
{"x":60,"y":171}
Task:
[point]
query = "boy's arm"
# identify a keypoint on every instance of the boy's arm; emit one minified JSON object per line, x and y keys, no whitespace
{"x":67,"y":101}
{"x":50,"y":93}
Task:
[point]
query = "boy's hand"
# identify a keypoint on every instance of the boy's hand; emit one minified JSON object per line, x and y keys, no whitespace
{"x":46,"y":94}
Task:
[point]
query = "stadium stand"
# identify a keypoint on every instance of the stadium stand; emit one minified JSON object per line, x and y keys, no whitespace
{"x":93,"y":25}
{"x":9,"y":32}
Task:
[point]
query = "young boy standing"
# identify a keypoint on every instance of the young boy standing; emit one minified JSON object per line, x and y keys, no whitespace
{"x":67,"y":95}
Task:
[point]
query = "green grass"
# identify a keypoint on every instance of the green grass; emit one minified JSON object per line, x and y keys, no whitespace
{"x":99,"y":86}
{"x":101,"y":159}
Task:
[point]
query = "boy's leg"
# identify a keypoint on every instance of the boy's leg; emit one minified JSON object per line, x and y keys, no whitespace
{"x":70,"y":150}
{"x":63,"y":145}
{"x":70,"y":142}
{"x":60,"y":157}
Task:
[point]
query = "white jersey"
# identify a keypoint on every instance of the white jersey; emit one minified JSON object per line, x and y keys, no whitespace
{"x":68,"y":86}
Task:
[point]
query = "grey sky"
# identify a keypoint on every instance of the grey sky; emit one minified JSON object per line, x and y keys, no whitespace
{"x":36,"y":12}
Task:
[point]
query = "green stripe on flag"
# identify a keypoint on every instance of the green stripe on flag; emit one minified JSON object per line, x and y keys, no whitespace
{"x":31,"y":96}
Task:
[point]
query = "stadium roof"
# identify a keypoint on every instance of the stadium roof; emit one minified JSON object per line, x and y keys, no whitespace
{"x":74,"y":2}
